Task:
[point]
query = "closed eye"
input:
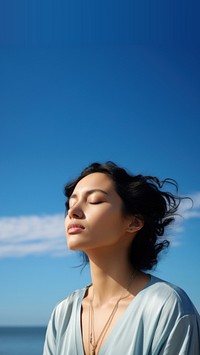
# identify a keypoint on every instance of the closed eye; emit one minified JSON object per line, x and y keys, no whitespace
{"x":96,"y":202}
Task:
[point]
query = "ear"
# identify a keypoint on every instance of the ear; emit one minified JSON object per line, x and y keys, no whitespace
{"x":136,"y":223}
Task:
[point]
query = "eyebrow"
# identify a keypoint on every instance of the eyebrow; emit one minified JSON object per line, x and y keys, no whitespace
{"x":89,"y":192}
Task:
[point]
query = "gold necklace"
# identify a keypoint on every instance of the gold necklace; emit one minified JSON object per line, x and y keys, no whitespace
{"x":92,"y":343}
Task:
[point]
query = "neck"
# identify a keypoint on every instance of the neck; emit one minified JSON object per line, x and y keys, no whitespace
{"x":110,"y":277}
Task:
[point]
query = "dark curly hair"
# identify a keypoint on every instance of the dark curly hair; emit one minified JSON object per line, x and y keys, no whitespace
{"x":141,"y":196}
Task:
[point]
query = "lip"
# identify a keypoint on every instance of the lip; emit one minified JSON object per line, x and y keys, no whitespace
{"x":75,"y":228}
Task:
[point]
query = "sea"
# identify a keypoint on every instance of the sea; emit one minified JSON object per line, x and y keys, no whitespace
{"x":22,"y":340}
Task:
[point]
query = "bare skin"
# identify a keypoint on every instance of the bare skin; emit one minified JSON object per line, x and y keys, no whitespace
{"x":102,"y":310}
{"x":96,"y":225}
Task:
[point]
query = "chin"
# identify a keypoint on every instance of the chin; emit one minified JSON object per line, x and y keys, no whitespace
{"x":71,"y":246}
{"x":74,"y":246}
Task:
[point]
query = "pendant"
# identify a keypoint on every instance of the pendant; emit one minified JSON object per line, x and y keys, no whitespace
{"x":92,"y":352}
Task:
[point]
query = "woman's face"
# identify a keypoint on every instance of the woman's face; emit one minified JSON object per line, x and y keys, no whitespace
{"x":95,"y":218}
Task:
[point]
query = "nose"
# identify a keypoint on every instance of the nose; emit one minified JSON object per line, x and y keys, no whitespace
{"x":75,"y":212}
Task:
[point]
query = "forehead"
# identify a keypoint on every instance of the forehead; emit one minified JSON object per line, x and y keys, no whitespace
{"x":95,"y":181}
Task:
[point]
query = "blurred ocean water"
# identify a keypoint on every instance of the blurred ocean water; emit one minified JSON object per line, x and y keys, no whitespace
{"x":22,"y":340}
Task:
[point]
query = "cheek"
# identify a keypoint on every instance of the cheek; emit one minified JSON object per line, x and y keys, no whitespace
{"x":108,"y":219}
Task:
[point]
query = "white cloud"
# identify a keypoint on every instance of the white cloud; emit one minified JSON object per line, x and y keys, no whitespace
{"x":40,"y":235}
{"x":188,"y":209}
{"x":32,"y":235}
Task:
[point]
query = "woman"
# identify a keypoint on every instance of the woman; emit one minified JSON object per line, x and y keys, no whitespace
{"x":118,"y":221}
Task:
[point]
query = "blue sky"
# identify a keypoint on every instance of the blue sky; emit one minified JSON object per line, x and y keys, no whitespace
{"x":82,"y":83}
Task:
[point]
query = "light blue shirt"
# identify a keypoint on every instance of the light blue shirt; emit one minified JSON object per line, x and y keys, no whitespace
{"x":161,"y":319}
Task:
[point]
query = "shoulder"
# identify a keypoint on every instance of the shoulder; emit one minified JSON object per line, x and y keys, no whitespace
{"x":71,"y":299}
{"x":68,"y":305}
{"x":172,"y":318}
{"x":64,"y":314}
{"x":169,"y":297}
